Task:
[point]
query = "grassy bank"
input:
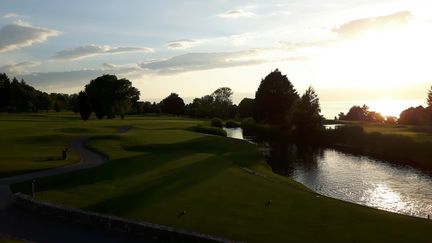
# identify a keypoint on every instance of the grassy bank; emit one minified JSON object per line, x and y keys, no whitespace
{"x":405,"y":145}
{"x":160,"y":168}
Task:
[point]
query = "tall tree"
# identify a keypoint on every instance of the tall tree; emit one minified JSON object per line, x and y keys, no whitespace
{"x":84,"y":105}
{"x":110,"y":96}
{"x":307,"y":118}
{"x":222,"y":102}
{"x":274,"y":98}
{"x":172,"y":104}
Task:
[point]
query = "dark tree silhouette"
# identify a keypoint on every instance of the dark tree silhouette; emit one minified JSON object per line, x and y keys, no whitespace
{"x":222,"y":102}
{"x":246,"y":107}
{"x":373,"y":116}
{"x":73,"y":103}
{"x":44,"y":101}
{"x":4,"y":90}
{"x":415,"y":116}
{"x":110,"y":96}
{"x":429,"y":99}
{"x":84,"y":105}
{"x":307,"y":118}
{"x":172,"y":104}
{"x":357,"y":113}
{"x":274,"y":98}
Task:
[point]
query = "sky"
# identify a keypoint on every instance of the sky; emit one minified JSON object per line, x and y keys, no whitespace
{"x":374,"y":52}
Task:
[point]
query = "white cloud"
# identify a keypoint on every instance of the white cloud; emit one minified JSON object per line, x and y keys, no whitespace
{"x":357,"y":27}
{"x":21,"y":67}
{"x":21,"y":34}
{"x":235,"y":14}
{"x":182,"y":44}
{"x":95,"y":50}
{"x":11,"y":15}
{"x":352,"y":29}
{"x":205,"y":61}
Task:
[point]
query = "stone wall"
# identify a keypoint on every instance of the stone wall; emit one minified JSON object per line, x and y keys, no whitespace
{"x":140,"y":229}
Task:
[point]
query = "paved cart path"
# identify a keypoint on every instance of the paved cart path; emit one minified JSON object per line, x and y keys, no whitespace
{"x":38,"y":228}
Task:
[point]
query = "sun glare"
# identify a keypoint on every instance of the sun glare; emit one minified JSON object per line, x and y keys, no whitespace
{"x":388,"y":106}
{"x":376,"y":59}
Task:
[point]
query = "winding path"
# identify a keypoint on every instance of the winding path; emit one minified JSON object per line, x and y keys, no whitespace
{"x":33,"y":227}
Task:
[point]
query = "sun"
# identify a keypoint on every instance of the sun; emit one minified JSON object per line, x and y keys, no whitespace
{"x":388,"y":106}
{"x":376,"y":59}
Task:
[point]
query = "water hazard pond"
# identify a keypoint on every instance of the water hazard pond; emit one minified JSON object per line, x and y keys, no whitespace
{"x":357,"y":179}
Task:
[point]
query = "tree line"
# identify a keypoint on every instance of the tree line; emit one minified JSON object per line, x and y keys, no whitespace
{"x":276,"y":102}
{"x":18,"y":96}
{"x":412,"y":116}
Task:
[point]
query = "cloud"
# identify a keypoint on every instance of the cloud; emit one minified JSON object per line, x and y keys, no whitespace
{"x":357,"y":27}
{"x":198,"y":61}
{"x":74,"y":80}
{"x":21,"y":34}
{"x":11,"y":15}
{"x":21,"y":67}
{"x":205,"y":61}
{"x":235,"y":14}
{"x":182,"y":44}
{"x":352,"y":29}
{"x":95,"y":50}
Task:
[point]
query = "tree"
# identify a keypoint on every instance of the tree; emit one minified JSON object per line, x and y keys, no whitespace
{"x":110,"y":96}
{"x":307,"y":118}
{"x":429,"y":99}
{"x":415,"y":116}
{"x":44,"y":101}
{"x":222,"y":102}
{"x":246,"y":107}
{"x":73,"y":104}
{"x":172,"y":104}
{"x":274,"y":98}
{"x":4,"y":90}
{"x":357,"y":113}
{"x":373,"y":116}
{"x":84,"y":105}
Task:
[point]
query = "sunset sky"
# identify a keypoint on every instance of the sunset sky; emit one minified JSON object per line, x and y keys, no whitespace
{"x":376,"y":52}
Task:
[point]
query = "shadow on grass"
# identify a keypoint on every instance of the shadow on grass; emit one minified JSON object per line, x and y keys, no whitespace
{"x":162,"y":187}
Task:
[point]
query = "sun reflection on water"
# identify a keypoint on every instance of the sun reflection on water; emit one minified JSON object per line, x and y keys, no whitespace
{"x":385,"y":198}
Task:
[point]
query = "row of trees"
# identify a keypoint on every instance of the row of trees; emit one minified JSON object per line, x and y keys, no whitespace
{"x":412,"y":116}
{"x":18,"y":96}
{"x":418,"y":115}
{"x":362,"y":113}
{"x":276,"y":102}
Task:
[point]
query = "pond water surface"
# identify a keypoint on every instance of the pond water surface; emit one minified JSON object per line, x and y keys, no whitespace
{"x":352,"y":178}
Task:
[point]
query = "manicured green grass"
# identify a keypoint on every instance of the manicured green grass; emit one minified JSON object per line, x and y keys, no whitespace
{"x":417,"y":133}
{"x":160,"y":168}
{"x":31,"y":142}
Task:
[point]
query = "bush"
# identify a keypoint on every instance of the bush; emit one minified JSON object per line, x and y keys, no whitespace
{"x":248,"y":123}
{"x":216,"y":122}
{"x":231,"y":124}
{"x":209,"y":130}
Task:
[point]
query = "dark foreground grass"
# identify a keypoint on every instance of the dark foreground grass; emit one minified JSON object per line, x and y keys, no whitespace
{"x":160,"y":168}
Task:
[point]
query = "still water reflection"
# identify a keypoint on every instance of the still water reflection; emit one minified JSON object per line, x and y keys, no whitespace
{"x":357,"y":179}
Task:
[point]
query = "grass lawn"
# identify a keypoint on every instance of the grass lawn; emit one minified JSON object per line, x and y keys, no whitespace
{"x":417,"y":133}
{"x":31,"y":142}
{"x":159,"y":169}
